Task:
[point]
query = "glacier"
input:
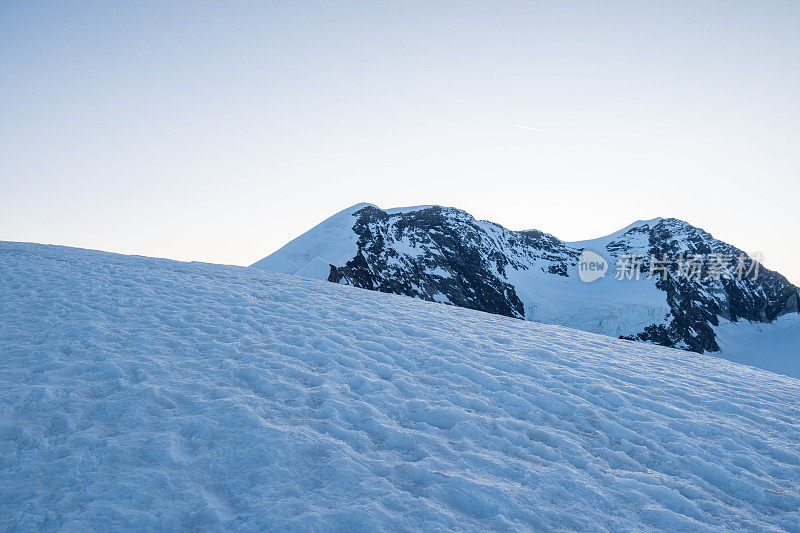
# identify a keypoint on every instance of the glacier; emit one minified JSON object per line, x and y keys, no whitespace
{"x":140,"y":393}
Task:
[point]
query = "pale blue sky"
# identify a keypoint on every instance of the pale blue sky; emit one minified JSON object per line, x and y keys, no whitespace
{"x":219,"y":131}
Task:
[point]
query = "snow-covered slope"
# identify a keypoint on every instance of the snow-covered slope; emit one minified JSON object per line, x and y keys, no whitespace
{"x":773,"y":346}
{"x":445,"y":255}
{"x":331,"y":241}
{"x":145,"y":394}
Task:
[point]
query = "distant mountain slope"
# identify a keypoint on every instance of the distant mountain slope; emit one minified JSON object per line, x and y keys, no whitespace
{"x":142,"y":394}
{"x":445,"y":255}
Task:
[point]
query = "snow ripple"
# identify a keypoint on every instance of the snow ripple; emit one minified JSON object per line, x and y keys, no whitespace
{"x":139,"y":393}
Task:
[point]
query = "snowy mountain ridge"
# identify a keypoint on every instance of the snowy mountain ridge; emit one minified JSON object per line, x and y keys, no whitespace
{"x":444,"y":254}
{"x":146,"y":394}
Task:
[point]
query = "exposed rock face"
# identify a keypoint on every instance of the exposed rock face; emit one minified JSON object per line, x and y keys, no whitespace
{"x":698,"y":304}
{"x":443,"y":254}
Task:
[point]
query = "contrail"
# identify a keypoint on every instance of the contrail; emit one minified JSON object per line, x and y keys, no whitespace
{"x":529,"y":128}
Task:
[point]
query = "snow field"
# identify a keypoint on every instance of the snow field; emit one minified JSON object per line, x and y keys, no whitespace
{"x":139,"y":393}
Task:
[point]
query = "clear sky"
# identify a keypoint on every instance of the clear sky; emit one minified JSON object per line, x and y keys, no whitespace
{"x":219,"y":131}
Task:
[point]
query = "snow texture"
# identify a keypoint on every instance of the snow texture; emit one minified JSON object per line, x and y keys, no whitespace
{"x":140,"y":393}
{"x":444,"y":255}
{"x":772,"y":346}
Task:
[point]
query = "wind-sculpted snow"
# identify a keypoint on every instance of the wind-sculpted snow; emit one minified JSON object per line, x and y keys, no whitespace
{"x":443,"y":254}
{"x":147,"y":394}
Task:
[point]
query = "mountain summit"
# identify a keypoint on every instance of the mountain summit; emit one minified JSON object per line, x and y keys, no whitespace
{"x":651,"y":291}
